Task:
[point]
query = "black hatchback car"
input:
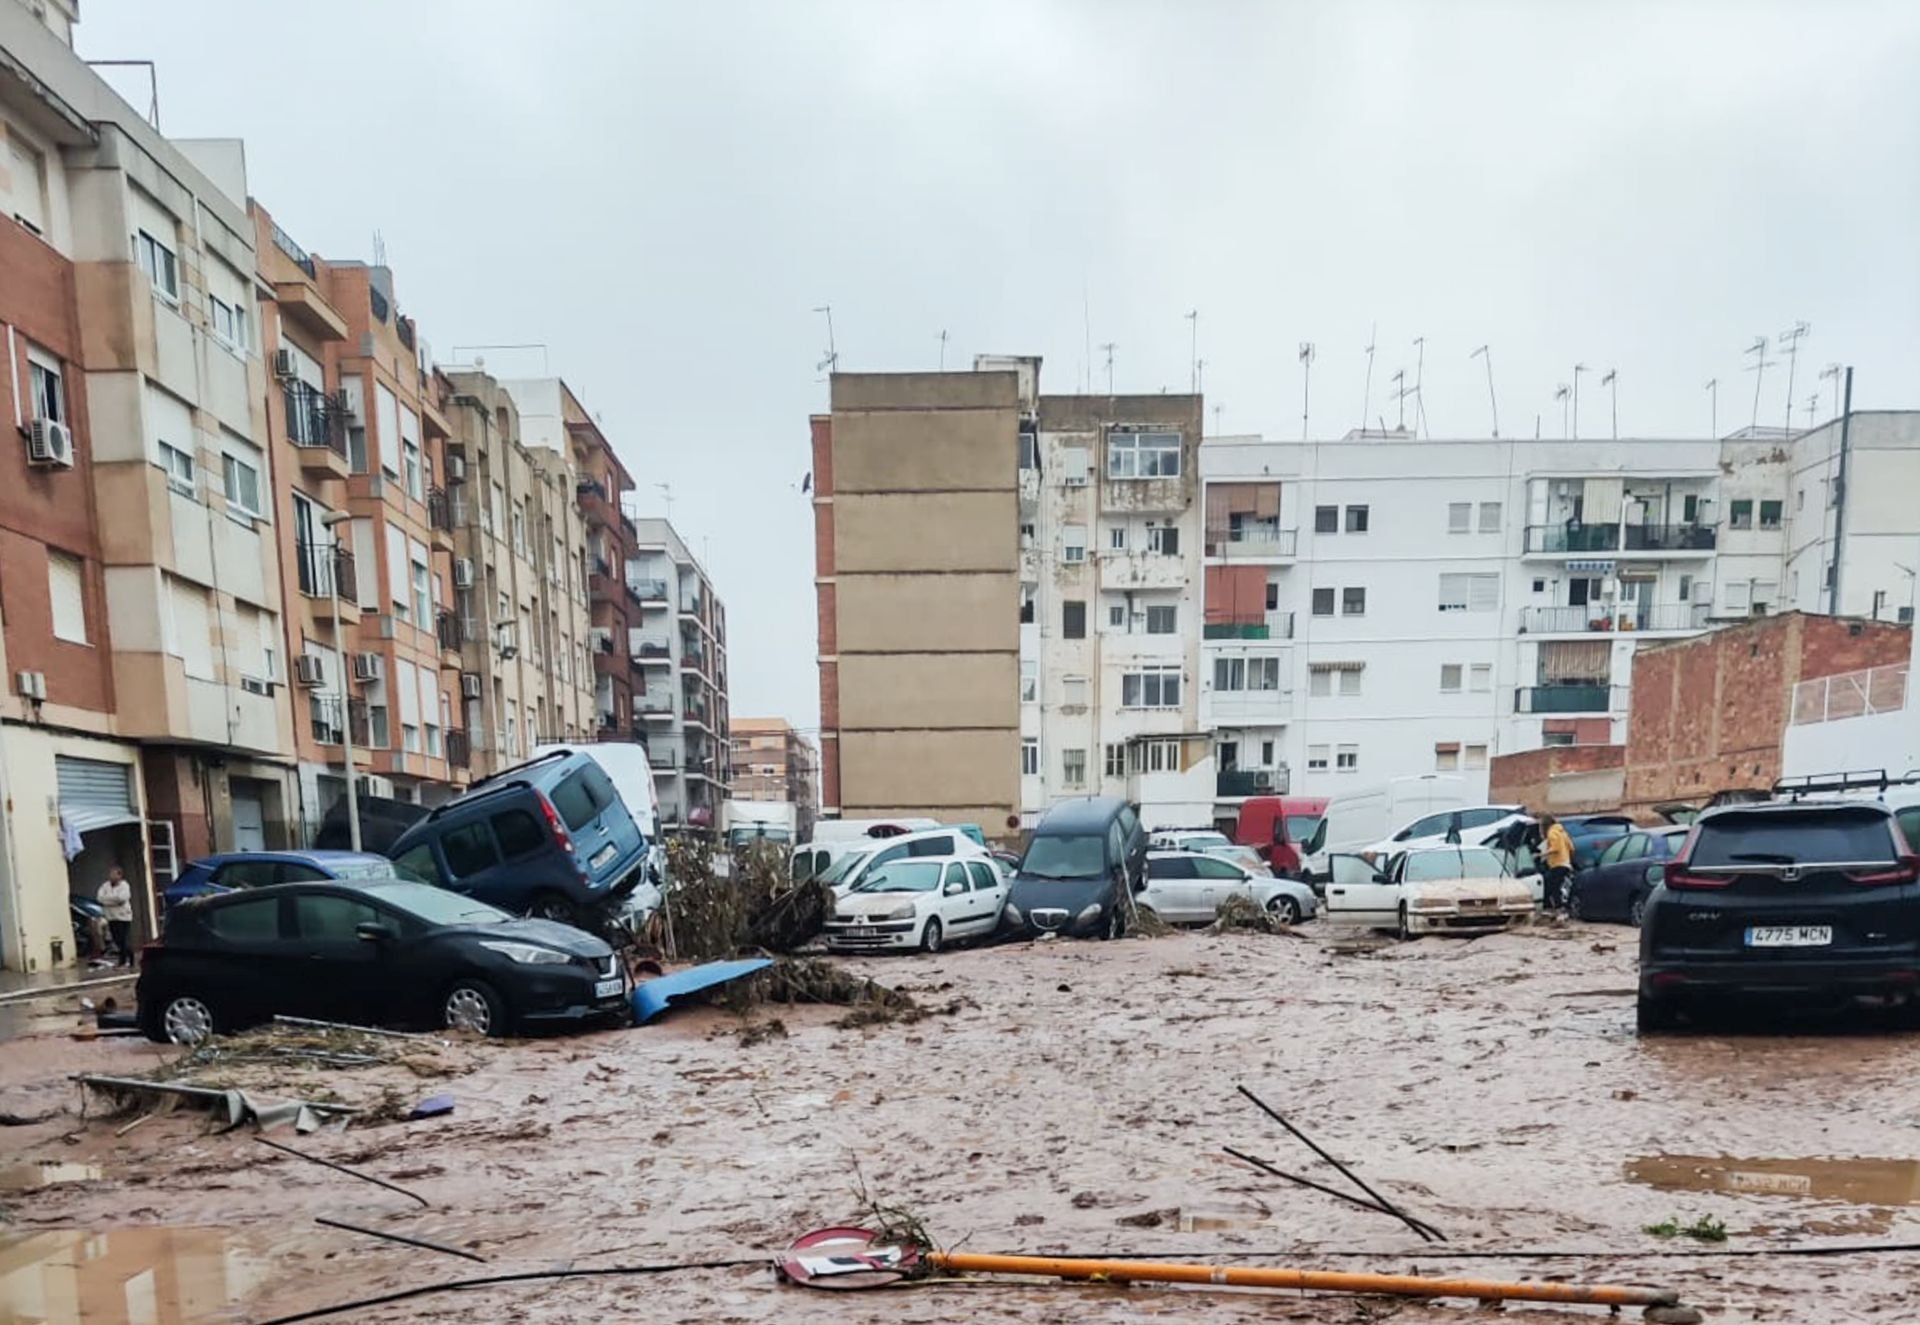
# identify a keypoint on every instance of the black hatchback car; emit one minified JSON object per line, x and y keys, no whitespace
{"x":368,"y":953}
{"x":1805,"y":902}
{"x":1085,"y":860}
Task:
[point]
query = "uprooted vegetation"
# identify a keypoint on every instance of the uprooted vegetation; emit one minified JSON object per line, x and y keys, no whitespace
{"x":1246,"y":915}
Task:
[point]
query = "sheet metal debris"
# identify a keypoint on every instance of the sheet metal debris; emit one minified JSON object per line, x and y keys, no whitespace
{"x":651,"y":997}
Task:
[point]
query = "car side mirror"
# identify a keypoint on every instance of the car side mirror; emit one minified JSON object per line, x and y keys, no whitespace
{"x":372,"y":931}
{"x":954,"y":889}
{"x":1381,"y":876}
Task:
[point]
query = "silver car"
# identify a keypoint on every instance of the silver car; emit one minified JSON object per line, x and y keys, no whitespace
{"x":1187,"y":887}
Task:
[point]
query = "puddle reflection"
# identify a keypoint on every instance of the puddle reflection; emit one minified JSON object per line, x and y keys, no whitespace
{"x":141,"y":1276}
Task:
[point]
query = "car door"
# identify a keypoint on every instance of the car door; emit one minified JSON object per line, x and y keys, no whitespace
{"x":1433,"y":825}
{"x":1218,"y":880}
{"x":1620,"y":875}
{"x":241,"y":964}
{"x":336,"y":974}
{"x":526,"y":853}
{"x":956,"y":898}
{"x":1172,"y":884}
{"x":988,"y":897}
{"x":252,"y":872}
{"x":1360,"y":894}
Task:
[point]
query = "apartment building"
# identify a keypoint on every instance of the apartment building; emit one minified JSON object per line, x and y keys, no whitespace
{"x":519,"y":589}
{"x":774,"y":762}
{"x":677,"y":649}
{"x":1853,"y":542}
{"x":916,"y":502}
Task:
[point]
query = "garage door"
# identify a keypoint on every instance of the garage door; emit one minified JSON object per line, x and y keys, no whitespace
{"x":249,"y":819}
{"x":94,"y":793}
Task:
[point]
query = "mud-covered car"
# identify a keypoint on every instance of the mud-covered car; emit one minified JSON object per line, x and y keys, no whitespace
{"x":1429,"y":890}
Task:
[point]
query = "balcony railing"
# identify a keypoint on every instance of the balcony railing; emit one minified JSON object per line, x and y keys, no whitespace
{"x":284,"y":242}
{"x":653,"y":704}
{"x":1254,"y":543}
{"x":1604,"y":618}
{"x":314,"y":418}
{"x":1851,"y":695}
{"x":653,"y":648}
{"x":321,"y":566}
{"x":648,"y":591}
{"x":378,"y":303}
{"x":1569,"y":698}
{"x":1278,"y":625}
{"x":439,"y":509}
{"x":1671,"y":537}
{"x":459,"y":748}
{"x":1600,"y":538}
{"x":1552,"y":538}
{"x":447,"y":626}
{"x":664,"y":756}
{"x":1251,"y":782}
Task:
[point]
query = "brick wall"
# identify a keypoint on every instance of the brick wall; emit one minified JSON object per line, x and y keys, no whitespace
{"x":1708,"y":713}
{"x":1567,"y":779}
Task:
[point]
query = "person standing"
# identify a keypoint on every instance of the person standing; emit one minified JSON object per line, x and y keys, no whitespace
{"x":116,"y":899}
{"x":1558,"y":850}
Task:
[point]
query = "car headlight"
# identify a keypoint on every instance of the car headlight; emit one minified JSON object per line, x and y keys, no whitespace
{"x":904,"y":911}
{"x":1430,"y":904}
{"x":531,"y":953}
{"x":1089,"y":913}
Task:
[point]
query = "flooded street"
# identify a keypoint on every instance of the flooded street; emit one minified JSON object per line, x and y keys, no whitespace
{"x":1075,"y":1102}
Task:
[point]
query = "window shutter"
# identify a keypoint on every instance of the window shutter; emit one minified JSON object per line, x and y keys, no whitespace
{"x":1484,"y":593}
{"x":397,"y":565}
{"x":1601,"y":500}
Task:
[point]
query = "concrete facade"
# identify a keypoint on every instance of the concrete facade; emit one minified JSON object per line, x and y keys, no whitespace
{"x":1869,"y":518}
{"x":676,"y":647}
{"x":773,"y":762}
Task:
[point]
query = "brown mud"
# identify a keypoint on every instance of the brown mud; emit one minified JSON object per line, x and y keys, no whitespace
{"x":1075,"y":1100}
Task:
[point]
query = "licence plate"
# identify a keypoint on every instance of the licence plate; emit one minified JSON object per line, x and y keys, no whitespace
{"x":861,"y":931}
{"x":602,"y":856}
{"x":1789,"y":936}
{"x":606,"y":988}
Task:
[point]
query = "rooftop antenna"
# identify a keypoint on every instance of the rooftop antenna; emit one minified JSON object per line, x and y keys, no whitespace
{"x":1791,"y":338}
{"x":1199,"y":375}
{"x":1400,"y":393}
{"x":1306,"y":385}
{"x":1758,"y":368}
{"x":1110,"y":347}
{"x":1419,"y":379}
{"x":1611,"y":381}
{"x":1493,"y":401}
{"x":666,"y":495}
{"x":943,"y":349}
{"x":1193,"y":348}
{"x":153,"y":83}
{"x":1216,"y":418}
{"x":830,"y":364}
{"x":1560,"y":393}
{"x":1713,"y":416}
{"x":1832,"y":370}
{"x":1366,"y":396}
{"x":1578,"y":369}
{"x":1813,"y":403}
{"x":379,"y":249}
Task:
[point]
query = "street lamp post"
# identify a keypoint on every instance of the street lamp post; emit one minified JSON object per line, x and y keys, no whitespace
{"x":331,"y":524}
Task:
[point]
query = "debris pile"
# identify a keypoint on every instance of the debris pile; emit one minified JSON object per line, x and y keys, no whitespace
{"x":756,"y":908}
{"x":1243,"y":913}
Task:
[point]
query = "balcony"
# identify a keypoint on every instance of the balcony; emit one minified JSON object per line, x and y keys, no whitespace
{"x":317,"y":425}
{"x":1246,"y":708}
{"x":1570,"y":698}
{"x":440,"y":517}
{"x":649,"y":593}
{"x":1554,"y":540}
{"x":459,"y":748}
{"x":1121,"y":571}
{"x":1685,"y":539}
{"x":696,"y":717}
{"x":1278,"y":625}
{"x":1237,"y":783}
{"x":654,"y":708}
{"x":664,"y":756}
{"x":653,"y":653}
{"x":447,"y":626}
{"x":1255,"y":543}
{"x":322,"y":566}
{"x":1610,"y":618}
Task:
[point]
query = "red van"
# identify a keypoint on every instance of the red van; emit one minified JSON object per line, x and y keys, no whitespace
{"x":1276,"y":826}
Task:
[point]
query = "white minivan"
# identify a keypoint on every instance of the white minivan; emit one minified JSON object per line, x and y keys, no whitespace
{"x":1356,"y":821}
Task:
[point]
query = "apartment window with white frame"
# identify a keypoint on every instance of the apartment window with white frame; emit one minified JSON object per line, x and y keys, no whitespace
{"x":1320,"y":684}
{"x":1117,"y":616}
{"x":1073,"y":768}
{"x":1073,"y":691}
{"x":1162,"y":620}
{"x":1029,"y":682}
{"x":29,"y":183}
{"x":1349,"y":680}
{"x":1116,"y":760}
{"x":1164,"y":539}
{"x":1150,"y":688}
{"x":422,"y":591}
{"x":1482,"y":677}
{"x":229,"y":323}
{"x":1459,"y":517}
{"x":1117,"y":538}
{"x":1030,"y":756}
{"x":1073,"y":544}
{"x":1551,"y":739}
{"x":157,"y":260}
{"x":1490,"y":517}
{"x":66,"y":587}
{"x":1323,"y":602}
{"x":1317,"y":756}
{"x":1353,"y":602}
{"x":1326,"y":519}
{"x":1357,"y":519}
{"x":47,"y":395}
{"x":1139,"y":455}
{"x":1479,"y":592}
{"x":1346,"y":758}
{"x":1446,"y":756}
{"x":1450,"y":678}
{"x":1233,"y":675}
{"x":242,"y":481}
{"x":1476,"y":756}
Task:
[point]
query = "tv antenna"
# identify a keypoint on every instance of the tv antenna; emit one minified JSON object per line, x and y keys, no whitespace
{"x":1199,"y":375}
{"x":1611,"y":381}
{"x":666,"y":496}
{"x":1833,"y":371}
{"x":1306,"y":385}
{"x":1419,"y":380}
{"x":1366,"y":395}
{"x":1813,"y":403}
{"x":1400,"y":393}
{"x":1493,"y":401}
{"x":1109,"y":347}
{"x":1193,"y":349}
{"x":1713,"y":415}
{"x":1217,"y":409}
{"x":1578,"y":369}
{"x":1791,"y":338}
{"x":1560,"y":393}
{"x":1758,"y":368}
{"x":943,"y":349}
{"x":830,"y":364}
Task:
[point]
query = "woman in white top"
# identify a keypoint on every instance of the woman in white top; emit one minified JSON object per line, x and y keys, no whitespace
{"x":116,"y":899}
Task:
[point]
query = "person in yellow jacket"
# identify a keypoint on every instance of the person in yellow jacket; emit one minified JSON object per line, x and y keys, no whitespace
{"x":1557,"y":849}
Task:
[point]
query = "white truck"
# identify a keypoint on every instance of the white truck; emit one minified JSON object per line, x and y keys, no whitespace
{"x":742,"y":822}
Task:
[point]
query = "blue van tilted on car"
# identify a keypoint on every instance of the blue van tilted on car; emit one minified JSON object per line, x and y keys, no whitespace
{"x":548,"y":838}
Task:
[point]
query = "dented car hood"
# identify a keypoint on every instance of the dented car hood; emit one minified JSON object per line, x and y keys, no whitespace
{"x":1459,"y":890}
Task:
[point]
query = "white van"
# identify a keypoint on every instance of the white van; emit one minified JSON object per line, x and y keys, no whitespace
{"x":846,"y":830}
{"x":1358,"y":820}
{"x":853,"y":866}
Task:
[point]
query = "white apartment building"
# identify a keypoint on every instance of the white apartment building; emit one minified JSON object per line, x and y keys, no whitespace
{"x":1870,"y":517}
{"x":679,"y":653}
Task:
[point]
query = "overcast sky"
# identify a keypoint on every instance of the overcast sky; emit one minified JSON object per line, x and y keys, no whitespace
{"x":663,"y":194}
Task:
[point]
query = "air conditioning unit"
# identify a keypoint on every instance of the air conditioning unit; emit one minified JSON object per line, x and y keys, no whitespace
{"x":504,"y":638}
{"x":31,"y":685}
{"x":50,"y":443}
{"x":463,"y":572}
{"x":283,"y":366}
{"x":469,"y":685}
{"x":456,"y":467}
{"x":369,"y":666}
{"x":310,"y":670}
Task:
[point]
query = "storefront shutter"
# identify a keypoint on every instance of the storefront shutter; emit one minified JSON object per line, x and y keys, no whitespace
{"x":94,"y":793}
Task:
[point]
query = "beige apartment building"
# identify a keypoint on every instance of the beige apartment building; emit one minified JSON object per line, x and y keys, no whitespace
{"x":917,"y":570}
{"x":774,"y":762}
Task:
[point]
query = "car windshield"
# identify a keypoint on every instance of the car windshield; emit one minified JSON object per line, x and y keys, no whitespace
{"x":437,"y":906}
{"x":1302,"y":827}
{"x":1073,"y":856}
{"x":739,"y":837}
{"x":1466,"y":863}
{"x":1809,"y":837}
{"x":1204,"y":841}
{"x":841,"y":868}
{"x":903,"y":876}
{"x":363,"y":869}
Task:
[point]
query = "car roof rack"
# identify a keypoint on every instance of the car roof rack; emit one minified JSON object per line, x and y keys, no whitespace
{"x":498,"y":782}
{"x":1818,"y":784}
{"x":562,"y":752}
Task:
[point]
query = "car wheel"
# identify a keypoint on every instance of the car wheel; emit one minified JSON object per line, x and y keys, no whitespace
{"x":1116,"y":923}
{"x":471,"y":1005}
{"x":551,"y":906}
{"x":1574,"y":910}
{"x":1406,"y":930}
{"x":1285,"y":910}
{"x":1651,"y":1016}
{"x":183,"y":1019}
{"x":1637,"y":910}
{"x":931,"y":936}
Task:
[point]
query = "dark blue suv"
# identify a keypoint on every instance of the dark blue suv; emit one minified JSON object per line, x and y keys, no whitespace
{"x":548,"y":838}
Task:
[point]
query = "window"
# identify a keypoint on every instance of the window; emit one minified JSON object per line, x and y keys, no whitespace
{"x":1026,"y":535}
{"x":1686,"y":588}
{"x":243,"y":486}
{"x":1556,"y":738}
{"x":1353,"y":602}
{"x":1346,"y":758}
{"x":1029,"y":682}
{"x":1073,"y":619}
{"x":1326,"y":519}
{"x":1459,"y":517}
{"x":1073,"y":768}
{"x":1029,"y":451}
{"x":1446,"y":756}
{"x":1770,"y":514}
{"x":1143,"y":455}
{"x":582,"y":795}
{"x":48,"y":400}
{"x":1030,"y":756}
{"x":1800,"y":500}
{"x":1356,"y":519}
{"x":422,"y":592}
{"x":1489,"y":517}
{"x":1740,"y":514}
{"x":179,"y":467}
{"x":1117,"y":616}
{"x":1539,"y":586}
{"x":1273,"y":595}
{"x":1236,"y":674}
{"x":1482,"y":677}
{"x":1266,"y":754}
{"x":1160,"y":620}
{"x":29,"y":172}
{"x":1349,"y":680}
{"x":1319,"y":684}
{"x":1117,"y":538}
{"x":66,"y":586}
{"x":247,"y":922}
{"x":1317,"y":758}
{"x":1164,"y":539}
{"x":1323,"y":602}
{"x":1479,"y":592}
{"x":1073,"y":544}
{"x":1026,"y":605}
{"x":1155,"y":757}
{"x":1116,"y":765}
{"x":1450,"y":678}
{"x":1073,"y":691}
{"x":1151,"y":688}
{"x":326,"y":919}
{"x":1476,"y":756}
{"x":158,"y":262}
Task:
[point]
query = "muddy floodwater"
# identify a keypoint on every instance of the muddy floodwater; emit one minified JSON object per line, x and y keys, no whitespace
{"x":1075,"y":1101}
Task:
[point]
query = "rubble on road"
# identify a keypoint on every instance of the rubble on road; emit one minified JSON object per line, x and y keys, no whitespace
{"x":1243,"y":914}
{"x":756,"y":907}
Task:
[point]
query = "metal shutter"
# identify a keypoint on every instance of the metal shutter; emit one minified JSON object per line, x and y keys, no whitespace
{"x":94,"y":793}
